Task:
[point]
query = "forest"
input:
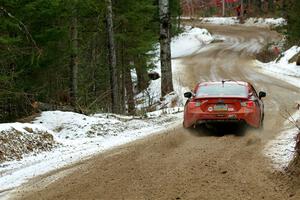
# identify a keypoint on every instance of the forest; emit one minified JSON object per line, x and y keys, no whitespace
{"x":56,"y":53}
{"x":42,"y":41}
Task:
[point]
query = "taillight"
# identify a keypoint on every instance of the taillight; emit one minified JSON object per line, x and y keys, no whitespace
{"x":248,"y":104}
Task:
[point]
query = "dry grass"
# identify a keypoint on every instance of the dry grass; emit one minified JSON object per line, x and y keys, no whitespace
{"x":266,"y":55}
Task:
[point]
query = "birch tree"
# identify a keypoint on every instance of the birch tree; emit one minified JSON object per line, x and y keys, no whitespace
{"x":112,"y":60}
{"x":165,"y":50}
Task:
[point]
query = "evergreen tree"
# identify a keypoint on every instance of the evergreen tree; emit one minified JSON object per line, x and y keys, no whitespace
{"x":56,"y":52}
{"x":293,"y":18}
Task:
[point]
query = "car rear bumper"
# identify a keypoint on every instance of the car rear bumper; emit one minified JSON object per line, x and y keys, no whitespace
{"x":244,"y":115}
{"x":220,"y":121}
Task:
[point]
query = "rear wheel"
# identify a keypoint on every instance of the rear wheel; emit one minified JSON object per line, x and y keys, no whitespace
{"x":187,"y":127}
{"x":184,"y":126}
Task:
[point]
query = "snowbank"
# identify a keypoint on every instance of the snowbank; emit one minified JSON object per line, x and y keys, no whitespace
{"x":281,"y":149}
{"x":79,"y":136}
{"x":252,"y":21}
{"x":281,"y":68}
{"x":17,"y":140}
{"x":266,"y":22}
{"x":220,"y":20}
{"x":190,"y":41}
{"x":72,"y":126}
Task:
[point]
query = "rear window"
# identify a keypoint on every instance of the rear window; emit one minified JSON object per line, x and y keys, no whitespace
{"x":222,"y":90}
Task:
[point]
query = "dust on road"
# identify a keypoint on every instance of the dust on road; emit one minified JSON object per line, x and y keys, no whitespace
{"x":190,"y":164}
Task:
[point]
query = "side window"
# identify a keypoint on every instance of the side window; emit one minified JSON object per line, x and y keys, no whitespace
{"x":196,"y":88}
{"x":252,"y":93}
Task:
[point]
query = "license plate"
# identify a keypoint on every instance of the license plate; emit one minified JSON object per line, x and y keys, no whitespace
{"x":220,"y":107}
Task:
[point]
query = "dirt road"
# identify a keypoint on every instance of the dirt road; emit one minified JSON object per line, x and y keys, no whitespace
{"x":181,"y":164}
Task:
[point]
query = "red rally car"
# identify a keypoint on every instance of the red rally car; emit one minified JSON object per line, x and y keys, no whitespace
{"x":224,"y":101}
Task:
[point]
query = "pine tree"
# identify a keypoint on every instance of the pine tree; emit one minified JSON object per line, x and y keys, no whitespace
{"x":42,"y":42}
{"x":293,"y":19}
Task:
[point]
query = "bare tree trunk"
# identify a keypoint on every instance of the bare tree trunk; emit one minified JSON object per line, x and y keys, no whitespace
{"x":249,"y":7}
{"x":141,"y":72}
{"x":165,"y":50}
{"x":74,"y":59}
{"x":122,"y":90}
{"x":223,"y":8}
{"x":179,"y":18}
{"x":129,"y":91}
{"x":112,"y":60}
{"x":242,"y":12}
{"x":122,"y":80}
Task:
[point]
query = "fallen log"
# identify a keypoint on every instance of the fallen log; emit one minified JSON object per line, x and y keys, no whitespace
{"x":40,"y":106}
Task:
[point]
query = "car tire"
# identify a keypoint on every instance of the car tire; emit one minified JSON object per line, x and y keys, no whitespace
{"x":184,"y":125}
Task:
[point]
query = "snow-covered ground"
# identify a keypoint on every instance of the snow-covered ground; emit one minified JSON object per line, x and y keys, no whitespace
{"x":265,"y":22}
{"x":79,"y":136}
{"x":220,"y":20}
{"x":248,"y":22}
{"x":281,"y":68}
{"x":190,"y":41}
{"x":281,"y":150}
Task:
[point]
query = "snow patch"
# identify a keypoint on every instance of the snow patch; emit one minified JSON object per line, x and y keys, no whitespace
{"x":252,"y":21}
{"x":190,"y":41}
{"x":71,"y":126}
{"x":281,"y":68}
{"x":220,"y":20}
{"x":281,"y":149}
{"x":265,"y":22}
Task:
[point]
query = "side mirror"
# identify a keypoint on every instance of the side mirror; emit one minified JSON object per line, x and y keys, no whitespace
{"x":262,"y":94}
{"x":188,"y":95}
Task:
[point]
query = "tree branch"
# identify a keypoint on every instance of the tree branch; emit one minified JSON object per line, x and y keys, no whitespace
{"x":23,"y":28}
